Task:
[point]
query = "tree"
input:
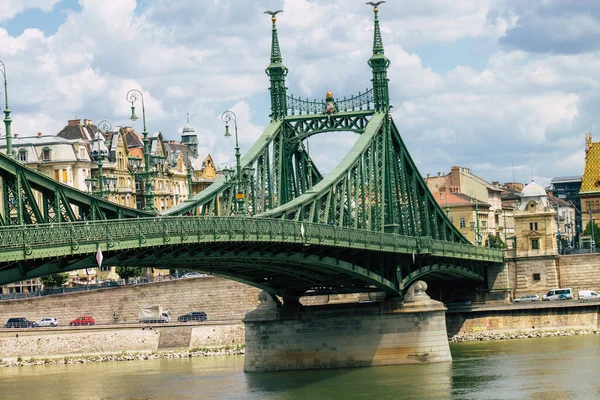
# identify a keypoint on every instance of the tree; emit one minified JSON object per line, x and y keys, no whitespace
{"x":129,"y":272}
{"x":588,"y":231}
{"x":55,"y":280}
{"x":495,"y":242}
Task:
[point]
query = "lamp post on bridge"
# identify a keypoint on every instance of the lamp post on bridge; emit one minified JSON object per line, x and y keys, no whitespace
{"x":7,"y":120}
{"x":240,"y":195}
{"x":132,"y":96}
{"x":97,"y":185}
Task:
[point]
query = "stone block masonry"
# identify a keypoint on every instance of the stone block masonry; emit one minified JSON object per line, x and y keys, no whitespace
{"x":348,"y":335}
{"x":541,"y":317}
{"x":221,"y":299}
{"x":56,"y":342}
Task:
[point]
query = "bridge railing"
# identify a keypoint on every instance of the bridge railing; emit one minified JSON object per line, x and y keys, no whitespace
{"x":187,"y":229}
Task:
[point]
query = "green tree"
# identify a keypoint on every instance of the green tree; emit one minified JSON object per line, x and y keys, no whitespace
{"x":54,"y":280}
{"x":495,"y":242}
{"x":129,"y":272}
{"x":588,"y":231}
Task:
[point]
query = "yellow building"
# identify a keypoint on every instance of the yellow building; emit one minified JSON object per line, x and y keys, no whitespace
{"x":535,"y":224}
{"x":462,"y":180}
{"x":468,"y":215}
{"x":590,"y":183}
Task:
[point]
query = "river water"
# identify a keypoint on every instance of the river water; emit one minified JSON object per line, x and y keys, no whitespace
{"x":548,"y":369}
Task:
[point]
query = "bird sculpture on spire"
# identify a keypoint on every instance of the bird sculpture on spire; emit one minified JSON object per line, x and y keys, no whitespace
{"x":375,"y":4}
{"x":273,"y":14}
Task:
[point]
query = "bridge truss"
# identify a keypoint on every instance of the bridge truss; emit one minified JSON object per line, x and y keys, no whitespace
{"x":369,"y":225}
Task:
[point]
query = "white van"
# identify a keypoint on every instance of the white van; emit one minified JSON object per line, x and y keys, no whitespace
{"x":588,"y":295}
{"x":558,"y":294}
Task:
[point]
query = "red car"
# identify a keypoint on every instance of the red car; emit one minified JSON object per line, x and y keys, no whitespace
{"x":87,"y":320}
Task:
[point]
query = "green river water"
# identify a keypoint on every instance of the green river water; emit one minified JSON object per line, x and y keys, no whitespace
{"x":545,"y":369}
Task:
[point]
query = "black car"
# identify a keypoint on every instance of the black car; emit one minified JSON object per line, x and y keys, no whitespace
{"x":198,"y":316}
{"x":20,"y":323}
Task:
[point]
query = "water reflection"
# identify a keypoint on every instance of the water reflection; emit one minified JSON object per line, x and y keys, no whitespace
{"x":550,"y":368}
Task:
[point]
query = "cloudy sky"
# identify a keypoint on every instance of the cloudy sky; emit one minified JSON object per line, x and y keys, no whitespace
{"x":476,"y":83}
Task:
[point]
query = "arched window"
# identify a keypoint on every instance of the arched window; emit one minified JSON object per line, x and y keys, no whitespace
{"x":46,"y":154}
{"x":22,"y":156}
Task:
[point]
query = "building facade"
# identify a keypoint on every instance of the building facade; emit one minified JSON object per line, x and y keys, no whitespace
{"x":535,"y":223}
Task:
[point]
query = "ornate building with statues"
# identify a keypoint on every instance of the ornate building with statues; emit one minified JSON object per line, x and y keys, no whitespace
{"x":535,"y":223}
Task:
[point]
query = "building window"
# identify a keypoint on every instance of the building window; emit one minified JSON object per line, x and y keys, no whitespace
{"x":46,"y":154}
{"x":22,"y":155}
{"x":463,"y":222}
{"x":533,"y":226}
{"x":536,"y":277}
{"x":535,"y":244}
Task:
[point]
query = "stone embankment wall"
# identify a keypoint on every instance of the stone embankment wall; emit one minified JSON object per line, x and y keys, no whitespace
{"x":580,"y":272}
{"x":50,"y":343}
{"x":537,"y":275}
{"x":221,"y":299}
{"x":535,"y":318}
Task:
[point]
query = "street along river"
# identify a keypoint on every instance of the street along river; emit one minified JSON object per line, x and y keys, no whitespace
{"x":548,"y":368}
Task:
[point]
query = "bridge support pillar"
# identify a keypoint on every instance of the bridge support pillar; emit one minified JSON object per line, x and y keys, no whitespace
{"x":391,"y":332}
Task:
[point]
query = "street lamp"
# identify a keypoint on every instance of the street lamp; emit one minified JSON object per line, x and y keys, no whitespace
{"x":7,"y":119}
{"x":132,"y":96}
{"x":240,"y":196}
{"x":475,"y":228}
{"x":98,"y":154}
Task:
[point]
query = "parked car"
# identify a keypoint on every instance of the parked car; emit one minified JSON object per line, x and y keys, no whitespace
{"x":20,"y":323}
{"x":528,"y":298}
{"x":459,"y":303}
{"x":558,"y":294}
{"x":198,"y":316}
{"x":48,"y":322}
{"x":85,"y":320}
{"x":193,"y":275}
{"x":588,"y":295}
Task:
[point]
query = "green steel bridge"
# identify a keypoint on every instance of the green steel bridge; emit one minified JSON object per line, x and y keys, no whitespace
{"x":369,"y":225}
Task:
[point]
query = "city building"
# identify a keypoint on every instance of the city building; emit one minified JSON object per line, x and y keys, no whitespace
{"x":567,"y":188}
{"x":462,"y":180}
{"x":565,"y":216}
{"x":589,"y":193}
{"x":535,"y":223}
{"x":467,"y":214}
{"x":75,"y":154}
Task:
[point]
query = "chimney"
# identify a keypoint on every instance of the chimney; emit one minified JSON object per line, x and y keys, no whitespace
{"x":74,"y":122}
{"x":87,"y":122}
{"x":171,"y":142}
{"x":39,"y":135}
{"x":16,"y":135}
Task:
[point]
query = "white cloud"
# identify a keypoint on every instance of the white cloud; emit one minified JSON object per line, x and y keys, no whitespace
{"x":203,"y":59}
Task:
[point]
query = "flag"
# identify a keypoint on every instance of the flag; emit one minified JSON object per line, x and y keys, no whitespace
{"x":99,"y":258}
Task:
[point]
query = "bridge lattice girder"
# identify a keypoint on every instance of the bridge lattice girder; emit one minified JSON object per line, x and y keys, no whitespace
{"x":281,"y":256}
{"x":29,"y":197}
{"x":376,"y":187}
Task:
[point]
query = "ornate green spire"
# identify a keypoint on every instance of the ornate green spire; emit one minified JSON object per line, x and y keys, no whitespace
{"x":277,"y":73}
{"x":379,"y":64}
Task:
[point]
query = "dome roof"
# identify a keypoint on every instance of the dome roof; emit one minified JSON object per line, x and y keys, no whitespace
{"x":188,"y":130}
{"x":533,"y":190}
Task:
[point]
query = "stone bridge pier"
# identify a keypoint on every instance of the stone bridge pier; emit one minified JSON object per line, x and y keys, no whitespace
{"x":390,"y":332}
